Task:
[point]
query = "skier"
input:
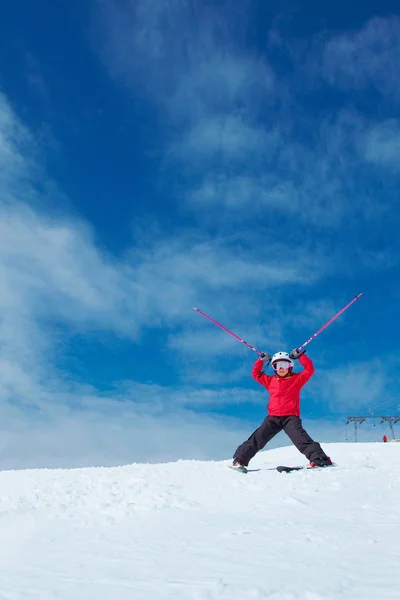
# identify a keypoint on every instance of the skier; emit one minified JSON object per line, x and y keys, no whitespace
{"x":283,"y":409}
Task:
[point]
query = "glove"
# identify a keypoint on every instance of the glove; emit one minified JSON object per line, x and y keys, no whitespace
{"x":265,"y":357}
{"x":295,"y":354}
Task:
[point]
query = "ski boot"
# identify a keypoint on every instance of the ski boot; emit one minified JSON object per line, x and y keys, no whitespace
{"x":322,"y":461}
{"x":239,"y":465}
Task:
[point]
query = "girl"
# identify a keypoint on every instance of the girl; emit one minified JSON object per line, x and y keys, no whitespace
{"x":283,"y":409}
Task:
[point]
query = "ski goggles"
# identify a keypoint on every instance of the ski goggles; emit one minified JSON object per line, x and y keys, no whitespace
{"x":281,"y":364}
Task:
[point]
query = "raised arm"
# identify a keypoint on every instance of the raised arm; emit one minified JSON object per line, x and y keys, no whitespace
{"x":308,"y":372}
{"x":258,"y":375}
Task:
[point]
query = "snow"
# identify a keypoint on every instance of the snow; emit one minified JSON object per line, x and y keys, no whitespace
{"x":195,"y":530}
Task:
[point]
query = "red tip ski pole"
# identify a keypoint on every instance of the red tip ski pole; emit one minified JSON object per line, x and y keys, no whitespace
{"x":329,"y":322}
{"x":227,"y":331}
{"x":300,"y":347}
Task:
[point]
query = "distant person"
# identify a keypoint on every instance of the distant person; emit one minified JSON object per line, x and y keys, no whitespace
{"x":384,"y":438}
{"x":283,"y":409}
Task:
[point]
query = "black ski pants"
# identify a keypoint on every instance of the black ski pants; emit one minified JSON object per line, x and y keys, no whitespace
{"x":293,"y":428}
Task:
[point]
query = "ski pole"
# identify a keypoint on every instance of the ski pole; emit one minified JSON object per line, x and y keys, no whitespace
{"x":227,"y":331}
{"x":329,"y":322}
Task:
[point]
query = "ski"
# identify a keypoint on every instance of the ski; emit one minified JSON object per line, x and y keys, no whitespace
{"x":240,"y":469}
{"x":280,"y":468}
{"x":284,"y":469}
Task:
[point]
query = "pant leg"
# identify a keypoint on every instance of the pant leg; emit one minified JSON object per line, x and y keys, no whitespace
{"x":258,"y":439}
{"x":304,"y":443}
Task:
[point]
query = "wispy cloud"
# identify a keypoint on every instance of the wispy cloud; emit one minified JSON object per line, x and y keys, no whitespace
{"x":57,"y":265}
{"x":62,"y":437}
{"x":56,"y":282}
{"x":248,"y":150}
{"x":213,"y":137}
{"x":190,"y":52}
{"x":239,"y":193}
{"x":369,"y":56}
{"x":237,"y":127}
{"x":185,"y":59}
{"x":15,"y":141}
{"x":382,"y":144}
{"x":356,"y":386}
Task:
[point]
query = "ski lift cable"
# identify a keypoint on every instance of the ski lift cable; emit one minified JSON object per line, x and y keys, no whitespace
{"x":386,"y":408}
{"x":383,"y":401}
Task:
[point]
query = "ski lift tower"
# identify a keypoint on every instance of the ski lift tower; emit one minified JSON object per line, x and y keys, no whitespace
{"x":391,"y":419}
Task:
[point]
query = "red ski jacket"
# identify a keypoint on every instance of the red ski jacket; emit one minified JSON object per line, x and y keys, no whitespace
{"x":284,"y":392}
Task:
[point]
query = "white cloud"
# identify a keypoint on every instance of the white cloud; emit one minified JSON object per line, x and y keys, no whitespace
{"x":15,"y":142}
{"x":61,"y":438}
{"x":246,"y":192}
{"x":53,"y":262}
{"x":216,"y":265}
{"x":187,"y":59}
{"x":314,"y":181}
{"x":382,"y":144}
{"x":57,"y":282}
{"x":369,"y":56}
{"x":215,"y":98}
{"x":189,"y":64}
{"x":210,"y":137}
{"x":237,"y":126}
{"x":222,"y":81}
{"x":355,"y":386}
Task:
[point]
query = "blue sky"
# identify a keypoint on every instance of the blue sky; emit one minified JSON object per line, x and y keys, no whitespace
{"x":160,"y":156}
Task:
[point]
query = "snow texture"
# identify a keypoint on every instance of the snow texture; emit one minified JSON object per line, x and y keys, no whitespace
{"x":195,"y":530}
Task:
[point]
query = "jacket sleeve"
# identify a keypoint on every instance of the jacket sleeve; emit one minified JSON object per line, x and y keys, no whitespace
{"x":308,"y":372}
{"x":258,"y":375}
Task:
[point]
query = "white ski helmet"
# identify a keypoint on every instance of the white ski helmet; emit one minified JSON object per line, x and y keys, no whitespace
{"x":282,"y":356}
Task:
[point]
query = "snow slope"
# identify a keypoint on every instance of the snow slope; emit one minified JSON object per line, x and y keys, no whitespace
{"x":199,"y":531}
